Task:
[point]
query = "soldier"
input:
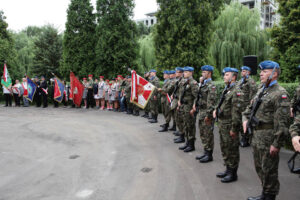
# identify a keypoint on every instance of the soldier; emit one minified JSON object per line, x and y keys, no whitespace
{"x":44,"y":91}
{"x":170,"y":90}
{"x":270,"y":128}
{"x":154,"y":98}
{"x":90,"y":99}
{"x":174,"y":104}
{"x":147,"y":108}
{"x":187,"y":99}
{"x":206,"y":105}
{"x":163,"y":98}
{"x":37,"y":96}
{"x":228,"y":112}
{"x":249,"y":89}
{"x":128,"y":95}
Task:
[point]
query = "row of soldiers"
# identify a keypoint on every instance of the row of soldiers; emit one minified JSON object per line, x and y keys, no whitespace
{"x":243,"y":107}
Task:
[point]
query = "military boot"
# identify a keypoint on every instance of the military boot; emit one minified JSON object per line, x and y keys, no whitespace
{"x":191,"y":146}
{"x":173,"y":127}
{"x":176,"y":133}
{"x":222,"y":174}
{"x":260,"y":197}
{"x":163,"y":125}
{"x":269,"y":197}
{"x":154,"y":119}
{"x":137,"y":113}
{"x":164,"y":128}
{"x":180,"y":139}
{"x":184,"y":146}
{"x":231,"y":176}
{"x":200,"y":157}
{"x":146,"y":115}
{"x":207,"y":157}
{"x":244,"y":142}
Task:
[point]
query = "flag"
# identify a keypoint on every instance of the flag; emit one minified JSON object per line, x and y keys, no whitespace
{"x":141,"y":90}
{"x":76,"y":89}
{"x":59,"y":89}
{"x":6,"y":80}
{"x":31,"y":88}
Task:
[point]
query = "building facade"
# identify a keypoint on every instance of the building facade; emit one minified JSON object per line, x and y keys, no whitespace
{"x":150,"y":19}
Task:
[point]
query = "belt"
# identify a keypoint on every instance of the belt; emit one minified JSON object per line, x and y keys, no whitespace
{"x":263,"y":126}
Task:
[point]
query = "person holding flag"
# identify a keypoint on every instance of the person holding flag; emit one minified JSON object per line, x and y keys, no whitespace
{"x":31,"y":89}
{"x":6,"y":85}
{"x":44,"y":91}
{"x":17,"y":93}
{"x":25,"y":92}
{"x":76,"y":91}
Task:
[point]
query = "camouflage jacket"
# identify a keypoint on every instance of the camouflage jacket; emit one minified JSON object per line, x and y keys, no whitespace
{"x":208,"y":99}
{"x":127,"y":89}
{"x":188,"y":91}
{"x":272,"y":113}
{"x":295,"y":97}
{"x":230,"y":110}
{"x":154,"y":81}
{"x":175,"y":95}
{"x":164,"y":90}
{"x":295,"y":127}
{"x":249,"y":88}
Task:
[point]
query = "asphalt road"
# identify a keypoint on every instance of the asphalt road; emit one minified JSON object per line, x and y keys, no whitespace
{"x":70,"y":154}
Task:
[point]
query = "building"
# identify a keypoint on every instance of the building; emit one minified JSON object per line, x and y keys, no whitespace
{"x":268,"y":11}
{"x":150,"y":19}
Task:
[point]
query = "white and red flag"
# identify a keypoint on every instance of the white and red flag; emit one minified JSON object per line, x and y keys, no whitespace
{"x":141,"y":90}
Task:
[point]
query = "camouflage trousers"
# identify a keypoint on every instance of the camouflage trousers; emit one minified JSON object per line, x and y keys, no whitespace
{"x":189,"y":127}
{"x":129,"y":104}
{"x":170,"y":115}
{"x":147,"y":108}
{"x":267,"y":169}
{"x":178,"y":114}
{"x":206,"y":135}
{"x":153,"y":107}
{"x":229,"y":146}
{"x":165,"y":109}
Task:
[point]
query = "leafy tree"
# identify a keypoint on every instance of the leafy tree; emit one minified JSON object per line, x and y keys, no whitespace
{"x":142,"y":29}
{"x":286,"y":39}
{"x":79,"y":39}
{"x":183,"y":33}
{"x":147,"y":59}
{"x":117,"y":46}
{"x":236,"y":35}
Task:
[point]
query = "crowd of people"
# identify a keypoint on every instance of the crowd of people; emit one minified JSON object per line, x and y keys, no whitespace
{"x":245,"y":113}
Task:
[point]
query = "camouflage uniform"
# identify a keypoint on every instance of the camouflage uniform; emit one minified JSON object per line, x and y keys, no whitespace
{"x":154,"y":102}
{"x":174,"y":104}
{"x":230,"y":119}
{"x":164,"y":101}
{"x":295,"y":127}
{"x":128,"y":95}
{"x":169,"y":90}
{"x":190,"y":90}
{"x":273,"y":116}
{"x":207,"y":103}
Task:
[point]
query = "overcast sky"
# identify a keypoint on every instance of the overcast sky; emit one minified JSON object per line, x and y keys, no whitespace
{"x":22,"y":13}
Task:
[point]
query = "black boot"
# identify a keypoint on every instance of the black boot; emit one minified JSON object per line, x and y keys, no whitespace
{"x":180,"y":139}
{"x":154,"y":119}
{"x":164,"y":128}
{"x":191,"y":146}
{"x":173,"y":127}
{"x":200,"y":157}
{"x":231,"y":176}
{"x":163,"y":125}
{"x":137,"y":113}
{"x":244,"y":142}
{"x":269,"y":197}
{"x":176,"y":133}
{"x":207,"y":157}
{"x":146,"y":115}
{"x":222,"y":174}
{"x":184,"y":146}
{"x":260,"y":197}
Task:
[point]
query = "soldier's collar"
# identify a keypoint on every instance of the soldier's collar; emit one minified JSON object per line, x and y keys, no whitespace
{"x":273,"y":83}
{"x":207,"y":80}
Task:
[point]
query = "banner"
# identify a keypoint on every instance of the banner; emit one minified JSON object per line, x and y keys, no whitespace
{"x":59,"y":89}
{"x":31,"y":89}
{"x":141,"y":90}
{"x":76,"y":89}
{"x":6,"y":80}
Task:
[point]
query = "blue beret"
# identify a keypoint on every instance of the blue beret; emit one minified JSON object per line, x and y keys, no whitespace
{"x":234,"y":70}
{"x":246,"y":68}
{"x":229,"y":69}
{"x":172,"y":72}
{"x":207,"y":68}
{"x":179,"y":69}
{"x":189,"y":69}
{"x":166,"y":72}
{"x":152,"y":70}
{"x":268,"y":64}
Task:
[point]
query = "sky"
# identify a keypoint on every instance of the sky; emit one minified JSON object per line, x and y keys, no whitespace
{"x":22,"y":13}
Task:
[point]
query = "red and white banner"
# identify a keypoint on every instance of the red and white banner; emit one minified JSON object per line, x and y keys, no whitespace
{"x":141,"y":90}
{"x":168,"y":98}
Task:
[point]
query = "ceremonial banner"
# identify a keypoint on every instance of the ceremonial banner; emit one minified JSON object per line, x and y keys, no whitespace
{"x":141,"y":90}
{"x":76,"y":89}
{"x":31,"y":88}
{"x":6,"y":80}
{"x":59,"y":89}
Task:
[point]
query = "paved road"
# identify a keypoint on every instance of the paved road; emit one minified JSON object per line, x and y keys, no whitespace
{"x":70,"y":154}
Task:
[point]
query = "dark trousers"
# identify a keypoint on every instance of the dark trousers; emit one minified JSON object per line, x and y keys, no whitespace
{"x":7,"y":99}
{"x":37,"y":98}
{"x":45,"y":99}
{"x":90,"y":98}
{"x":17,"y":99}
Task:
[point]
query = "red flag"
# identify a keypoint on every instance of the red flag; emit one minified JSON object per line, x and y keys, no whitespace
{"x":141,"y":90}
{"x":76,"y":89}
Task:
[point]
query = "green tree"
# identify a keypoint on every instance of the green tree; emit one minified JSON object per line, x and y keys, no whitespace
{"x":147,"y":59}
{"x":79,"y":39}
{"x":286,"y":39}
{"x":117,"y":46}
{"x":183,"y":33}
{"x":236,"y":35}
{"x":142,"y":29}
{"x":47,"y":52}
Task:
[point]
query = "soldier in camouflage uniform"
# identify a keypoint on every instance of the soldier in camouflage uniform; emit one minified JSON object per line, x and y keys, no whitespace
{"x":249,"y":89}
{"x":164,"y":102}
{"x":170,"y":90}
{"x":178,"y":113}
{"x":268,"y":136}
{"x":230,"y":119}
{"x":206,"y":105}
{"x":155,"y":96}
{"x":187,"y":100}
{"x":147,"y":108}
{"x":127,"y":90}
{"x":90,"y":96}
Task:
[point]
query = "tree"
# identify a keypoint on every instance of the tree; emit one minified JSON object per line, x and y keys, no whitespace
{"x":286,"y":40}
{"x":147,"y":59}
{"x":47,"y":52}
{"x":117,"y":46}
{"x":183,"y":31}
{"x":236,"y":35}
{"x":79,"y":39}
{"x":142,"y":29}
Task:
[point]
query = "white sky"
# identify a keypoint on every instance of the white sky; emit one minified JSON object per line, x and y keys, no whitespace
{"x":22,"y":13}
